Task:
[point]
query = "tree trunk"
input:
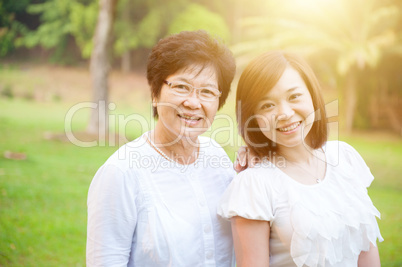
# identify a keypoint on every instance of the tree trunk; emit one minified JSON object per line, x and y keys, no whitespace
{"x":100,"y":66}
{"x":350,"y":101}
{"x":126,"y":62}
{"x":126,"y":56}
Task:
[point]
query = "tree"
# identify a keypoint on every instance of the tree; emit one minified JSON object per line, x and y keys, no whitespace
{"x":10,"y":28}
{"x":61,"y":20}
{"x":100,"y":66}
{"x":358,"y":33}
{"x":195,"y":17}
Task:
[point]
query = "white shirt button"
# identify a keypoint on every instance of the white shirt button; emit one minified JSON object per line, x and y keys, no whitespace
{"x":209,"y":255}
{"x":202,"y":203}
{"x":207,"y":229}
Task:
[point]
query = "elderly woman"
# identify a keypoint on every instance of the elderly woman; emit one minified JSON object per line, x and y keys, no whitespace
{"x":154,"y":201}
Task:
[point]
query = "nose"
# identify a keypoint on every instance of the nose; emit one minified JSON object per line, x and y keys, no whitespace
{"x":192,"y":101}
{"x":285,"y":111}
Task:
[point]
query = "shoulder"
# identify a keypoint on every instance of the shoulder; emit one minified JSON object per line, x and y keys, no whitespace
{"x":120,"y":169}
{"x":348,"y":161}
{"x":252,"y":195}
{"x":343,"y":150}
{"x":130,"y":154}
{"x":210,"y":145}
{"x":264,"y":176}
{"x":215,"y":158}
{"x":339,"y":145}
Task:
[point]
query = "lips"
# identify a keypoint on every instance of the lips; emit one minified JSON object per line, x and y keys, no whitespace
{"x":289,"y":127}
{"x":190,"y":118}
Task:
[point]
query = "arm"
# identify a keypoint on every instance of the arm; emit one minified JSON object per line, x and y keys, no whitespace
{"x":111,"y":218}
{"x":369,"y":258}
{"x":251,"y":242}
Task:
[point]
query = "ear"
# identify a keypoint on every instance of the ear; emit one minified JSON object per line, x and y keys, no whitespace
{"x":154,"y":102}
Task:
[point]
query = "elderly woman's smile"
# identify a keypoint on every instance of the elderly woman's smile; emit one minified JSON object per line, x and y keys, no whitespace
{"x":183,"y":106}
{"x":190,"y":119}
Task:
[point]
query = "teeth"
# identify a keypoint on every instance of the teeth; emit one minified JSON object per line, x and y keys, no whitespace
{"x":189,"y":118}
{"x":289,"y":128}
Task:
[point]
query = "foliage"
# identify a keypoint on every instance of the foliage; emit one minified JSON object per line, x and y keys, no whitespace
{"x":55,"y":24}
{"x":357,"y":34}
{"x":10,"y":29}
{"x":10,"y":37}
{"x":59,"y":20}
{"x":83,"y":20}
{"x":139,"y":24}
{"x":357,"y":31}
{"x":196,"y":17}
{"x":142,"y":23}
{"x":141,"y":33}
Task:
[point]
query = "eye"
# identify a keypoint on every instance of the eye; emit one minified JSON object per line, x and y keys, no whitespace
{"x":294,"y":96}
{"x":181,"y":88}
{"x":208,"y":92}
{"x":266,"y":106}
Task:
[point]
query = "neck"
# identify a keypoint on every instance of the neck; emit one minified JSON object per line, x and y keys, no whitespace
{"x":299,"y":154}
{"x":182,"y":149}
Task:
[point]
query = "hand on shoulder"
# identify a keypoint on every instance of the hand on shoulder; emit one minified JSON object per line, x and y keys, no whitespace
{"x":245,"y":159}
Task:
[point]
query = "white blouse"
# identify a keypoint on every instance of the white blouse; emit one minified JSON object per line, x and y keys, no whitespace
{"x":145,"y":211}
{"x":326,"y":224}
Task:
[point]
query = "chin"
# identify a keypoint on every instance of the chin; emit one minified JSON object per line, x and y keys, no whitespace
{"x":291,"y":143}
{"x":193,"y":132}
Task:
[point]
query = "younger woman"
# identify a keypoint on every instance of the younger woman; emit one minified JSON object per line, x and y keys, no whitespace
{"x":306,"y":202}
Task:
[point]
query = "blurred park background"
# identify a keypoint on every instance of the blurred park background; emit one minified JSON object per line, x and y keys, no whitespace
{"x":49,"y":55}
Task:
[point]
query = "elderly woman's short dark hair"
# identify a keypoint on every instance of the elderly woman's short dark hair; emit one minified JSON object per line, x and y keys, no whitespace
{"x":185,"y":49}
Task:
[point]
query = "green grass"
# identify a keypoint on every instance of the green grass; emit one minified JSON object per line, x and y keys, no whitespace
{"x":43,"y":198}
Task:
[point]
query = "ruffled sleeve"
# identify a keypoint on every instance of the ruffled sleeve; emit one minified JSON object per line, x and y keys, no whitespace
{"x":248,"y":196}
{"x":354,"y":159}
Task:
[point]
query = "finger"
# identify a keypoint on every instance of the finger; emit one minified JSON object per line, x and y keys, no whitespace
{"x":238,"y":168}
{"x":246,"y":156}
{"x":242,"y":156}
{"x":237,"y":162}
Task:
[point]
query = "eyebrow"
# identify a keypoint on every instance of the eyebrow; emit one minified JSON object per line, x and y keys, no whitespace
{"x":203,"y":85}
{"x":287,"y":91}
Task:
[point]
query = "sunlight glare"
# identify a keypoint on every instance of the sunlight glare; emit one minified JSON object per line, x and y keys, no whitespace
{"x":305,"y":5}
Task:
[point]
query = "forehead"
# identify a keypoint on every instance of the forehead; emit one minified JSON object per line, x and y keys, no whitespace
{"x":290,"y":79}
{"x":202,"y":74}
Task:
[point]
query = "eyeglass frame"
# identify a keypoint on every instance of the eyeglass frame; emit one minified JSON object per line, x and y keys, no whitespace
{"x":192,"y":90}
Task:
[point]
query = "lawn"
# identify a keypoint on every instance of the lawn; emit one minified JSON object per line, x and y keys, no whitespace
{"x":43,"y":198}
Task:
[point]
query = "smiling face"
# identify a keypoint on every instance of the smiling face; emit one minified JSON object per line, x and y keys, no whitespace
{"x":187,"y":116}
{"x":285,"y":115}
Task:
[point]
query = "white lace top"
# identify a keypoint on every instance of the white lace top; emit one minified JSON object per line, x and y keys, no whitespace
{"x":326,"y":224}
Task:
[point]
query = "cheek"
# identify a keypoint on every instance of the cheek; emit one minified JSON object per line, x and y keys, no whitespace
{"x":310,"y":118}
{"x":211,"y":110}
{"x":311,"y":114}
{"x":166,"y":110}
{"x":264,"y":124}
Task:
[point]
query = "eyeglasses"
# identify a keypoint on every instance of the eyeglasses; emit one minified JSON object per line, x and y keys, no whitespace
{"x":185,"y":89}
